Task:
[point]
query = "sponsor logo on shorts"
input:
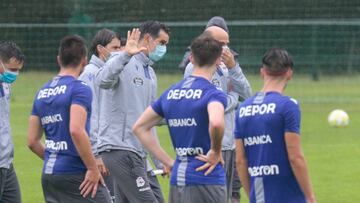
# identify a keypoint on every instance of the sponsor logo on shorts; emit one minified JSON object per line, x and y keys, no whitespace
{"x":140,"y":181}
{"x":264,"y":170}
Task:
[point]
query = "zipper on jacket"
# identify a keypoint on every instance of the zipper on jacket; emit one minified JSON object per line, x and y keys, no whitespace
{"x":124,"y":128}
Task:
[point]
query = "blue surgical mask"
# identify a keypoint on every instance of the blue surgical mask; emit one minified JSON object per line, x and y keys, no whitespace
{"x":158,"y":53}
{"x":8,"y":76}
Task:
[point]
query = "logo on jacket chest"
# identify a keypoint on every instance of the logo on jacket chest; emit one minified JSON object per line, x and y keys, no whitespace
{"x":216,"y":82}
{"x":138,"y":81}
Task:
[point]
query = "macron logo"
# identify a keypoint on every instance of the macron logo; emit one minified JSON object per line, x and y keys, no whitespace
{"x":265,"y":170}
{"x":56,"y":146}
{"x":189,"y":151}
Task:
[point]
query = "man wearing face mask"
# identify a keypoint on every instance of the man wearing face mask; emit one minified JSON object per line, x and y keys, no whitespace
{"x":103,"y":44}
{"x":132,"y":90}
{"x":231,"y":80}
{"x":11,"y":61}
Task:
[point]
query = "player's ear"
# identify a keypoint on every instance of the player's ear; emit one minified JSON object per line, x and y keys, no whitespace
{"x":99,"y":49}
{"x":289,"y":74}
{"x":191,"y":58}
{"x":262,"y":72}
{"x":218,"y":61}
{"x":58,"y":60}
{"x":147,"y":38}
{"x":84,"y":61}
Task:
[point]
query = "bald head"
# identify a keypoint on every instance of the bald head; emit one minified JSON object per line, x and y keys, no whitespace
{"x":218,"y":34}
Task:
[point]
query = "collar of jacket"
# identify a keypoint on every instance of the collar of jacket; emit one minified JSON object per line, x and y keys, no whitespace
{"x":144,"y":59}
{"x":96,"y":61}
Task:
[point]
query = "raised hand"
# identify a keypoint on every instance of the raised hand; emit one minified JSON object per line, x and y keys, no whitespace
{"x":228,"y":58}
{"x":211,"y":160}
{"x":132,"y":42}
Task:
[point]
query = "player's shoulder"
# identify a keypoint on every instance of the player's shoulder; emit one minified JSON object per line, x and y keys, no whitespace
{"x":290,"y":101}
{"x":209,"y":88}
{"x":205,"y":85}
{"x":47,"y":84}
{"x":293,"y":101}
{"x":279,"y":98}
{"x":282,"y":100}
{"x":250,"y":100}
{"x":79,"y":84}
{"x":213,"y":92}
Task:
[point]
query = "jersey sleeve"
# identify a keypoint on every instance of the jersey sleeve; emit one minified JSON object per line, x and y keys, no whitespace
{"x":238,"y":130}
{"x":82,"y":95}
{"x":218,"y":96}
{"x":157,"y":105}
{"x":292,"y":116}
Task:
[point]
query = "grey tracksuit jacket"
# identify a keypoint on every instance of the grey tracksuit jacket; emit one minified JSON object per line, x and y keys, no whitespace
{"x":6,"y":144}
{"x":234,"y":84}
{"x":88,"y":76}
{"x":131,"y":84}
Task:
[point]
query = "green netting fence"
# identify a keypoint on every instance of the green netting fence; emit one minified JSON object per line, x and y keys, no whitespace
{"x":323,"y":36}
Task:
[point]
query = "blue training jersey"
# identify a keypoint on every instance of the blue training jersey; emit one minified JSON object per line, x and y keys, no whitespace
{"x":52,"y":105}
{"x":261,"y":123}
{"x":184,"y":106}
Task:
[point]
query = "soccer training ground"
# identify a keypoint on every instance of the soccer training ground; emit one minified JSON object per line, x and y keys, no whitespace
{"x":333,"y":154}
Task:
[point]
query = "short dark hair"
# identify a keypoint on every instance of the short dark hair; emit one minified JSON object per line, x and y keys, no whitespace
{"x":205,"y":50}
{"x":10,"y":50}
{"x":72,"y":50}
{"x":153,"y":28}
{"x":277,"y":61}
{"x":103,"y":37}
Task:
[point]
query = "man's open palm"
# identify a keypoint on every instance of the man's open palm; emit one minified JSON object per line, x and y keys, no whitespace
{"x":131,"y":46}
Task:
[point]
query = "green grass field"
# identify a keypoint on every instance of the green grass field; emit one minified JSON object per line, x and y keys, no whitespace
{"x":333,"y":154}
